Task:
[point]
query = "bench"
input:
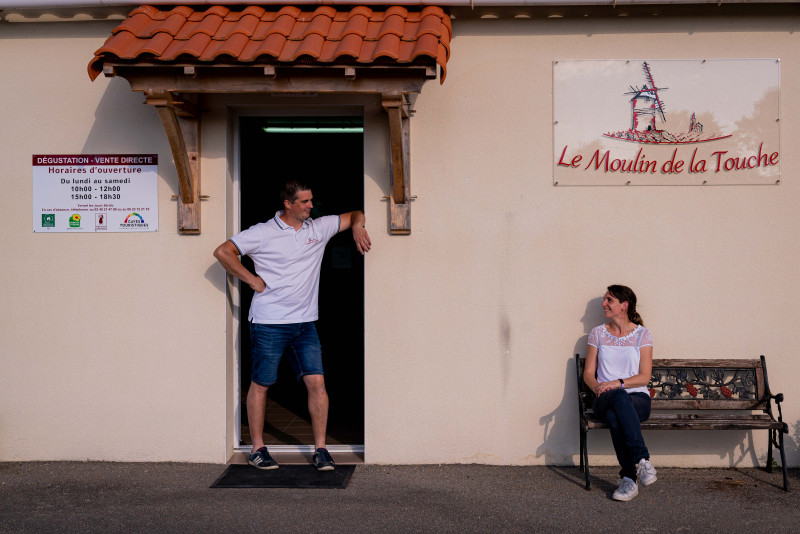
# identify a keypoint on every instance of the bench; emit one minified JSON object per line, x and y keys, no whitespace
{"x":700,"y":395}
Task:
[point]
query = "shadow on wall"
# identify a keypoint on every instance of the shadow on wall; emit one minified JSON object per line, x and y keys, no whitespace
{"x":561,"y":434}
{"x":124,"y":124}
{"x":791,"y":442}
{"x":561,"y":425}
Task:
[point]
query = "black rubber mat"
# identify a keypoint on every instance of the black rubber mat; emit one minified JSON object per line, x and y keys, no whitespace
{"x":287,"y":476}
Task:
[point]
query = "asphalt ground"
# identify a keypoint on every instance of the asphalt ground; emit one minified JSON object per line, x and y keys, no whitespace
{"x":105,"y":497}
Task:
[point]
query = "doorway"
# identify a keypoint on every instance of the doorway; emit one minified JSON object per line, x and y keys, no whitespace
{"x":327,"y":153}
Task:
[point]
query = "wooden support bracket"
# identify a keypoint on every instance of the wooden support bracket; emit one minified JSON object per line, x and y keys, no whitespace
{"x":396,"y":107}
{"x":181,"y":122}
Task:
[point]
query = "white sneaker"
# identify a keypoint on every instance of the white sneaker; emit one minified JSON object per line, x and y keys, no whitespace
{"x":646,"y":472}
{"x":626,"y":491}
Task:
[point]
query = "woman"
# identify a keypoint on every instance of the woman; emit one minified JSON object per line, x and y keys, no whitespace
{"x":619,"y":360}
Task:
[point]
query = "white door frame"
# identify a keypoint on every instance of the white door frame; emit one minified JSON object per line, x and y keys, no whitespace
{"x":235,"y":288}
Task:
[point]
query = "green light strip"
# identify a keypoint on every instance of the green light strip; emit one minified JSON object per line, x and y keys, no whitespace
{"x":277,"y":129}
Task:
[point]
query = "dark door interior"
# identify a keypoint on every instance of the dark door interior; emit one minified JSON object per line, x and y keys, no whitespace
{"x":274,"y":150}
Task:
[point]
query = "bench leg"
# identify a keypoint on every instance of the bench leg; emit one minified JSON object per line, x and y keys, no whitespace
{"x":776,"y":440}
{"x":585,"y":460}
{"x":783,"y":463}
{"x":771,"y":436}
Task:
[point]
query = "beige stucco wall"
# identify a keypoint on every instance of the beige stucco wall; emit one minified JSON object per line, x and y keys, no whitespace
{"x":501,"y":280}
{"x":118,"y":347}
{"x":110,"y":347}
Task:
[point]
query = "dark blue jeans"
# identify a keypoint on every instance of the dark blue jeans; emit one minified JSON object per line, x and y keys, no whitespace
{"x":624,"y":412}
{"x":268,"y":343}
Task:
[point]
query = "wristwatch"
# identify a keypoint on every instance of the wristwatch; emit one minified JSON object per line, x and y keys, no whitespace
{"x":622,"y":383}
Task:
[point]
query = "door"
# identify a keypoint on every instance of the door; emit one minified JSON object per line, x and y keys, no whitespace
{"x":326,"y":153}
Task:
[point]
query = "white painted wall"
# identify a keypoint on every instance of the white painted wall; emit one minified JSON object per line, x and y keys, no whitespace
{"x":116,"y":347}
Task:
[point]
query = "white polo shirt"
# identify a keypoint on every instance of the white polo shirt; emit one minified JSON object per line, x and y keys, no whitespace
{"x":289,"y":263}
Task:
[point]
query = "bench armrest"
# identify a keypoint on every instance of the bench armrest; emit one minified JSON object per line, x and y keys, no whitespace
{"x":778,"y":397}
{"x":585,"y":397}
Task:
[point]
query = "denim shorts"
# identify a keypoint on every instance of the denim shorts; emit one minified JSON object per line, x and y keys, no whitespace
{"x":300,"y":343}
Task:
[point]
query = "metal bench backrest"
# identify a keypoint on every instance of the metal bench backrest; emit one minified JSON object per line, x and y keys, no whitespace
{"x":700,"y":385}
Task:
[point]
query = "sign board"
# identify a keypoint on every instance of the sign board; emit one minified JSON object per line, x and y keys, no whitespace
{"x":95,"y":193}
{"x":666,"y":122}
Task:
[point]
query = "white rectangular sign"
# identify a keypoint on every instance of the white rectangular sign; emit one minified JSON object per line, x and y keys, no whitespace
{"x":666,"y":122}
{"x":95,"y":193}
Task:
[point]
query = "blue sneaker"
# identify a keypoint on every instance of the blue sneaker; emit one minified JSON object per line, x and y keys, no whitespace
{"x":323,"y":461}
{"x":262,"y":460}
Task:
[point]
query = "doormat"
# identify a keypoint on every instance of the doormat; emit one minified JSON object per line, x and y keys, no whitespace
{"x":287,"y":476}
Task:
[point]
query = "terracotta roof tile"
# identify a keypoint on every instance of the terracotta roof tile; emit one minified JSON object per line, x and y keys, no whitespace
{"x":232,"y":47}
{"x":251,"y":33}
{"x":194,"y":46}
{"x":245,"y":25}
{"x":171,"y":24}
{"x":138,"y":24}
{"x":256,"y":11}
{"x":312,"y":45}
{"x":283,"y":23}
{"x":219,"y":11}
{"x":290,"y":11}
{"x":421,"y":46}
{"x":273,"y":45}
{"x":146,"y":21}
{"x":388,"y":46}
{"x":400,"y":10}
{"x":432,"y":26}
{"x":209,"y":25}
{"x":356,"y":24}
{"x":320,"y":24}
{"x":394,"y":24}
{"x":347,"y":47}
{"x":289,"y":51}
{"x":116,"y":45}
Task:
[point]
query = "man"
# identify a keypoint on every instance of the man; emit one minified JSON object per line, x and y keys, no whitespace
{"x":287,"y":254}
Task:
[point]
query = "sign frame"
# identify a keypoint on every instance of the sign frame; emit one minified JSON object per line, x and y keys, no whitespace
{"x":95,"y":193}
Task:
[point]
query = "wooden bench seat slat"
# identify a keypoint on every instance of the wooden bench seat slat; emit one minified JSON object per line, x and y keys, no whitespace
{"x":720,"y":363}
{"x":702,"y":404}
{"x":701,"y":424}
{"x":713,"y":415}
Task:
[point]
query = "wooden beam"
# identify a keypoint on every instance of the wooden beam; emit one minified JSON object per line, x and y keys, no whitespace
{"x":393,"y":104}
{"x":301,"y":81}
{"x":182,"y":127}
{"x":399,"y":139}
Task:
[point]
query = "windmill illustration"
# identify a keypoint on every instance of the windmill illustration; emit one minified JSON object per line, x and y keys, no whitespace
{"x":646,"y":104}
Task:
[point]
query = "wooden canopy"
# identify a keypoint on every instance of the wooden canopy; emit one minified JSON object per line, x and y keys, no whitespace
{"x":174,"y":55}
